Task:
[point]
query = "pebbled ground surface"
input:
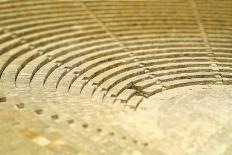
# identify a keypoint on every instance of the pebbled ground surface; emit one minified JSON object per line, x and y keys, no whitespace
{"x":83,"y":77}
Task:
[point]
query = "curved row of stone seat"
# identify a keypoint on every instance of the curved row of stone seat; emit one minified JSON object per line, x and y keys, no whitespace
{"x":30,"y":27}
{"x":61,"y":47}
{"x":100,"y":60}
{"x":109,"y":24}
{"x":43,"y":35}
{"x":149,"y":81}
{"x":147,"y":76}
{"x":157,"y":20}
{"x":76,"y":53}
{"x":40,"y":13}
{"x":139,"y":63}
{"x":175,"y":84}
{"x":224,"y":5}
{"x":75,"y":65}
{"x":29,"y":16}
{"x":29,"y":59}
{"x":119,"y":77}
{"x":86,"y":66}
{"x":156,"y":57}
{"x":144,"y":79}
{"x":132,"y":8}
{"x":40,"y":27}
{"x":103,"y":78}
{"x":218,"y":34}
{"x":160,"y":39}
{"x":15,"y":52}
{"x":28,"y":5}
{"x":181,"y":81}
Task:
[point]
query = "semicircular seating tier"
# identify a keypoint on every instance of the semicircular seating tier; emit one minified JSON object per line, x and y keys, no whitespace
{"x":118,"y":51}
